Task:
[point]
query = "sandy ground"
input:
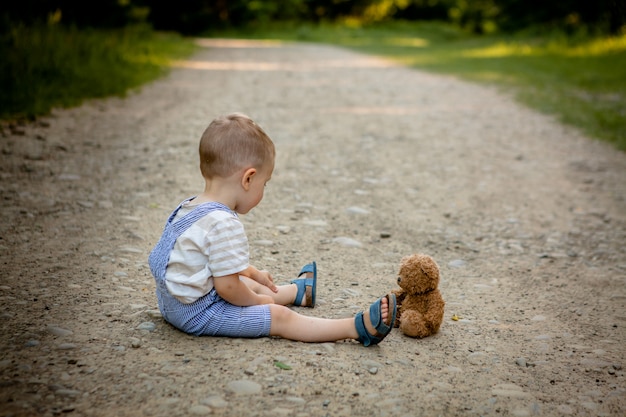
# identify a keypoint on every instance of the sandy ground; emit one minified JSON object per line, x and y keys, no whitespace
{"x":526,"y":217}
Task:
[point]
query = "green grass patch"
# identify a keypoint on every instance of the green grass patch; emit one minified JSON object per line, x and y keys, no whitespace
{"x":51,"y":66}
{"x":580,"y":80}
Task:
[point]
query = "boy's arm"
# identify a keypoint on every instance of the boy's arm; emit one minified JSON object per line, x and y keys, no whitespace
{"x":233,"y":290}
{"x":262,"y":277}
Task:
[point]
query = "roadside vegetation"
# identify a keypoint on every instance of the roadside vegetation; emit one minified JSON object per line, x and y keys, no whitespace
{"x":48,"y":66}
{"x":578,"y":78}
{"x":567,"y":59}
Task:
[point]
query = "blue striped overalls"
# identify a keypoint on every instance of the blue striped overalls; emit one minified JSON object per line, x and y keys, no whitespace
{"x":210,"y":314}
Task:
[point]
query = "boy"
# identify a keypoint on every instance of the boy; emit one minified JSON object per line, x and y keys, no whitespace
{"x":204,"y":282}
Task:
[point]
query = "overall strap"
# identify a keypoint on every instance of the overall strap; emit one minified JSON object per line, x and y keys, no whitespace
{"x":179,"y":226}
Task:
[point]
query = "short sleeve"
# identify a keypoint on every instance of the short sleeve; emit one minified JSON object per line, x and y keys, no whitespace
{"x":228,"y":249}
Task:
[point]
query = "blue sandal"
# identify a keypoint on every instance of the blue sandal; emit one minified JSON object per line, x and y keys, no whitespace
{"x":306,"y":286}
{"x":376,"y":318}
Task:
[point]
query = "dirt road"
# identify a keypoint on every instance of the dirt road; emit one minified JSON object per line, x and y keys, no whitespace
{"x":526,"y":218}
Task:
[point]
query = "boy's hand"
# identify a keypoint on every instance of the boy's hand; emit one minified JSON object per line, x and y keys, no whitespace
{"x":265,"y":278}
{"x":262,"y":277}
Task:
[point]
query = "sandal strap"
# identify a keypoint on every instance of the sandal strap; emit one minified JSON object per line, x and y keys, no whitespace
{"x":304,"y":283}
{"x":376,"y":318}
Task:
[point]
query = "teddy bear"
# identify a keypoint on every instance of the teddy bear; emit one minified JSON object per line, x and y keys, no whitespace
{"x":419,"y":301}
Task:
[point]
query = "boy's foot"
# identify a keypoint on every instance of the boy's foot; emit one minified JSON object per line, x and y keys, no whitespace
{"x":374,"y":325}
{"x":306,"y":284}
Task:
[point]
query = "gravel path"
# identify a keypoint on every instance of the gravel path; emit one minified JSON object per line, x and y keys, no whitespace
{"x":526,"y":218}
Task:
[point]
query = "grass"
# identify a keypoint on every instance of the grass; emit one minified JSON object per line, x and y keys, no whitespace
{"x":50,"y":66}
{"x":580,"y":80}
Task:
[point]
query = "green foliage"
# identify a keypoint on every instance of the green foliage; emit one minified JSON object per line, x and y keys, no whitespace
{"x":46,"y":66}
{"x":196,"y":16}
{"x":580,"y":80}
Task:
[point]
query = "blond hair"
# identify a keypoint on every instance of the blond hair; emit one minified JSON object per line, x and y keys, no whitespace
{"x":231,"y":143}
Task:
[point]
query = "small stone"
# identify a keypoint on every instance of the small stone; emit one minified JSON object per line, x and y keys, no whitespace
{"x":32,"y":343}
{"x":477,"y":358}
{"x":348,"y":242}
{"x":357,"y":210}
{"x":147,"y":326}
{"x":318,"y":223}
{"x":283,"y":229}
{"x":244,"y":387}
{"x":457,"y":263}
{"x":154,"y":314}
{"x":67,"y":392}
{"x":66,"y":346}
{"x":58,"y":331}
{"x":215,"y":401}
{"x":373,"y":370}
{"x":199,"y":410}
{"x":521,"y":362}
{"x":135,"y":342}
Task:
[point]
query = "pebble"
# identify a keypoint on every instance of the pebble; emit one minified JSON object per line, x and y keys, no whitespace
{"x":135,"y":342}
{"x":67,"y":392}
{"x":350,"y":292}
{"x":347,"y":242}
{"x":510,"y":391}
{"x":482,"y":287}
{"x":58,"y":331}
{"x":66,"y":346}
{"x":295,"y":400}
{"x":457,"y":263}
{"x":32,"y":343}
{"x":215,"y":401}
{"x":199,"y":410}
{"x":283,"y":229}
{"x":357,"y":210}
{"x":317,"y":223}
{"x":244,"y":387}
{"x":147,"y":325}
{"x":155,"y":314}
{"x":477,"y":358}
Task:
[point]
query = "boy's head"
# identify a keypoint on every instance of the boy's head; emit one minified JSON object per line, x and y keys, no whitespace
{"x":232,"y":143}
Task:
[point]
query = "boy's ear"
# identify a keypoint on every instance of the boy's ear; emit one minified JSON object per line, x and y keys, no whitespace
{"x":247,"y":178}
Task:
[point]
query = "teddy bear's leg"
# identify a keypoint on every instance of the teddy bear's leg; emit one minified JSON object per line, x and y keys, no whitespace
{"x":412,"y":324}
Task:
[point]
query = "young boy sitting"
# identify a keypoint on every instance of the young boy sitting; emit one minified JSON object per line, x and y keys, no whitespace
{"x":205,"y":284}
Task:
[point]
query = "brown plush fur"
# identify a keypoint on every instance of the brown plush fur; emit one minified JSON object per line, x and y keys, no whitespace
{"x":420,"y":304}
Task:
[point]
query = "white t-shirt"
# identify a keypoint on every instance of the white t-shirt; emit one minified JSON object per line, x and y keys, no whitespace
{"x":216,"y":245}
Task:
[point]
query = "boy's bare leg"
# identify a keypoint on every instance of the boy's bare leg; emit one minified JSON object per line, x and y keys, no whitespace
{"x":286,"y":293}
{"x":288,"y":324}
